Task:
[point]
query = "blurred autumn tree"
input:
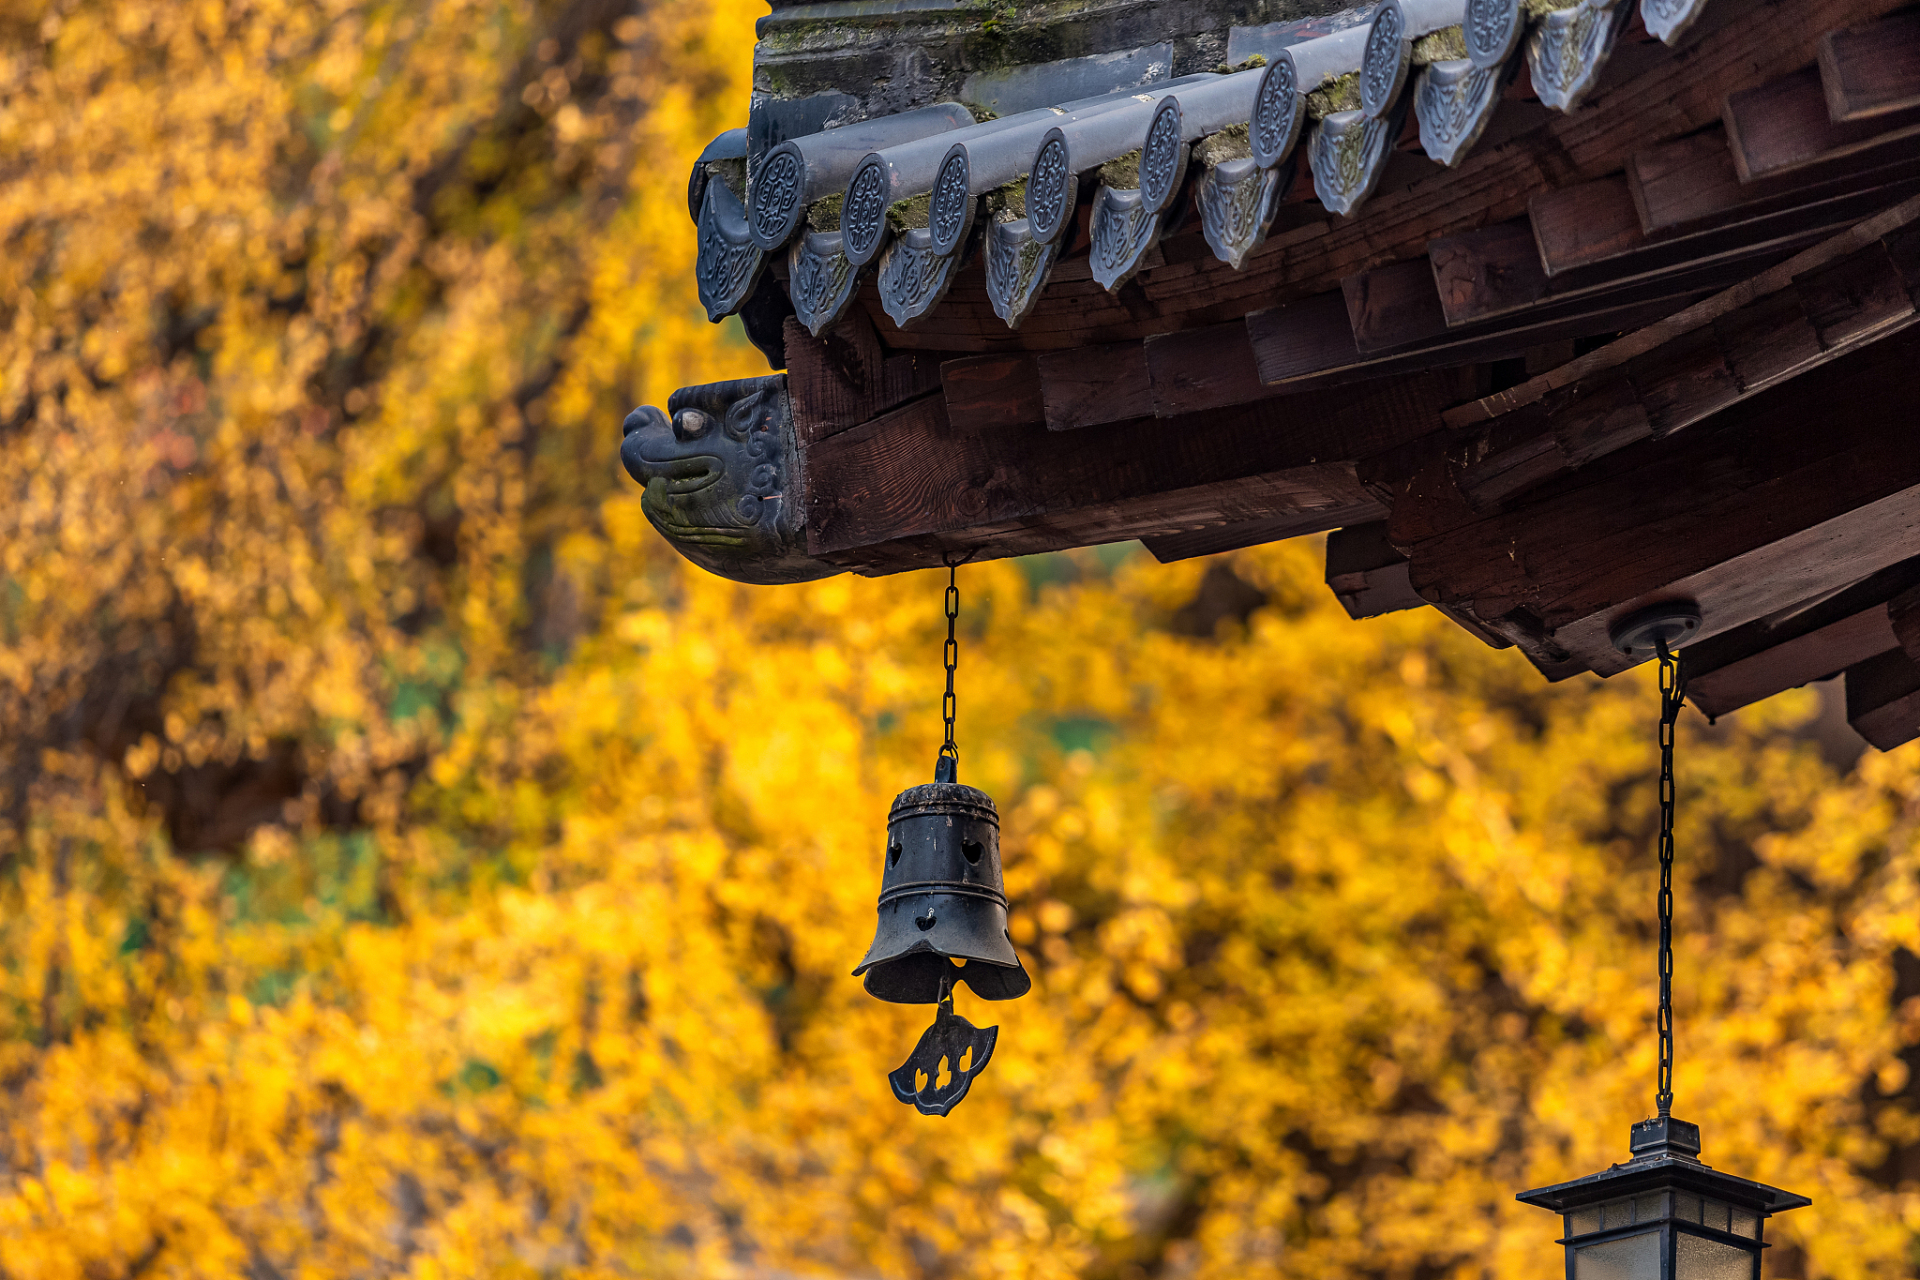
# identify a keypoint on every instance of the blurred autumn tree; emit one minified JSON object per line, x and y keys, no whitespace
{"x":408,"y":866}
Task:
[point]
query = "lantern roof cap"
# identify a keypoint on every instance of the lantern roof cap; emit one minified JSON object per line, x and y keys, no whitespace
{"x":1666,"y":1153}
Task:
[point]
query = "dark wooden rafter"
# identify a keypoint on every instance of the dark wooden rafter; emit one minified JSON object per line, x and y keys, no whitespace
{"x":1806,"y":311}
{"x":896,"y":492}
{"x":1750,"y":514}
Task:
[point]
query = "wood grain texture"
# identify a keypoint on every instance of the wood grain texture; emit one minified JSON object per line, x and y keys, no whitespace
{"x":1092,"y":385}
{"x":992,"y":391}
{"x":1486,"y":273}
{"x":1585,"y":223}
{"x":1783,"y":125}
{"x":1367,"y":573}
{"x":1883,"y":699}
{"x":1872,"y":70}
{"x":1821,"y":315}
{"x":1739,"y":667}
{"x":1746,"y":518}
{"x":844,"y":377}
{"x":911,"y":474}
{"x":1172,"y":547}
{"x":1891,"y":225}
{"x":1199,"y":369}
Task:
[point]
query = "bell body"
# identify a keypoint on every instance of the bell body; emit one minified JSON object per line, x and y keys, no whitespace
{"x":942,"y":899}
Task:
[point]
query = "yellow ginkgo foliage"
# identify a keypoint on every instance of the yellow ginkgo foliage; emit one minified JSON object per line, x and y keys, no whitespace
{"x":409,"y":866}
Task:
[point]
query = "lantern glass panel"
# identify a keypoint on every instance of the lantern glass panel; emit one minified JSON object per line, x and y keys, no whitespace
{"x":1686,"y":1206}
{"x":1583,"y":1221}
{"x":1632,"y":1258}
{"x":1696,"y":1258}
{"x":1746,"y":1224}
{"x":1713,"y":1214}
{"x":1650,"y":1208}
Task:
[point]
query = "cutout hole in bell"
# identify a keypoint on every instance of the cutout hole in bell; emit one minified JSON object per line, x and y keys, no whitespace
{"x":945,"y":1077}
{"x":926,"y":921}
{"x":972,"y":849}
{"x":893,"y":853}
{"x":966,"y":1060}
{"x":919,"y":1081}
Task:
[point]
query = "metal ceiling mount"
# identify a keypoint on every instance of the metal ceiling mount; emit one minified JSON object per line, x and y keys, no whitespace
{"x":1639,"y":635}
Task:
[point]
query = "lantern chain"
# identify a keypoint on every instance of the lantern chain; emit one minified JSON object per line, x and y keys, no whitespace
{"x":1673,"y":695}
{"x":951,"y":657}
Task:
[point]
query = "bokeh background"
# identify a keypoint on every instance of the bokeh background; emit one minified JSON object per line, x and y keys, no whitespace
{"x":409,"y":866}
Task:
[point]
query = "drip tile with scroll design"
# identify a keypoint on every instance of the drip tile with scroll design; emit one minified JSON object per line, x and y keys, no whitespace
{"x":820,"y":280}
{"x":1668,"y":20}
{"x":914,"y":275}
{"x":1237,"y":200}
{"x":1454,"y":100}
{"x":1017,"y":267}
{"x":727,"y":263}
{"x":1348,"y":153}
{"x":1126,"y":222}
{"x":1568,"y":47}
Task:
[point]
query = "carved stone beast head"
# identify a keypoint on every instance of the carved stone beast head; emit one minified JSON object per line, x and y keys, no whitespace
{"x":722,"y":479}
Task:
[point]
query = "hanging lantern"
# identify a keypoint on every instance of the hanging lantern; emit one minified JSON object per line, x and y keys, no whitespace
{"x":943,"y":917}
{"x":1663,"y":1215}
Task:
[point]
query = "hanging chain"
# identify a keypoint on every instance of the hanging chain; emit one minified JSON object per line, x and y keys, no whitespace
{"x":1673,"y":695}
{"x":951,"y":656}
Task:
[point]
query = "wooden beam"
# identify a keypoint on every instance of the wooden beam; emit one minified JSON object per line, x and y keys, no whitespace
{"x":1817,"y":318}
{"x":911,"y":475}
{"x":1169,"y":548}
{"x":1746,"y":516}
{"x":1883,"y":699}
{"x":1286,"y":347}
{"x":1797,"y":646}
{"x":1393,"y":306}
{"x":1198,"y":369}
{"x":1584,"y":224}
{"x":991,"y":391}
{"x":1872,"y":70}
{"x":1368,"y":573}
{"x":1093,"y":385}
{"x":844,"y":377}
{"x":1486,"y":273}
{"x":1783,"y":126}
{"x":1773,"y":280}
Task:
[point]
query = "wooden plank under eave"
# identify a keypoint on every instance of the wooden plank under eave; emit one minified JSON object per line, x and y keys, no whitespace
{"x":1367,"y":573}
{"x":845,"y":377}
{"x":1746,"y":517}
{"x":1491,"y":272}
{"x":1800,"y":660}
{"x":1297,"y":339}
{"x":1198,"y":369}
{"x":991,"y":391}
{"x":1107,"y":382}
{"x":912,"y":475}
{"x":1883,"y":699}
{"x":1171,"y":547}
{"x":1584,"y":224}
{"x":1782,"y":126}
{"x":1393,"y":306}
{"x":1685,"y":181}
{"x":1872,"y":70}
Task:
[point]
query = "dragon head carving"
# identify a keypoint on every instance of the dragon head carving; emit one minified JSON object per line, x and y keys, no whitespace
{"x":721,"y":473}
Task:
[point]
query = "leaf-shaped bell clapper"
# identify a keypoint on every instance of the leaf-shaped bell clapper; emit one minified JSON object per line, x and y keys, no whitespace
{"x":941,"y":899}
